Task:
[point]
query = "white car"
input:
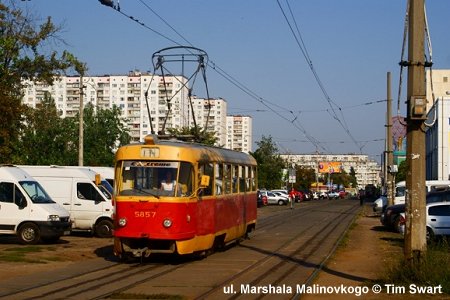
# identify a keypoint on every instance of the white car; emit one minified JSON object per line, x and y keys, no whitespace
{"x":273,"y":198}
{"x":438,"y":220}
{"x":380,"y":204}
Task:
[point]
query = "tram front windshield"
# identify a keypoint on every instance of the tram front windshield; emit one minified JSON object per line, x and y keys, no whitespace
{"x":156,"y":178}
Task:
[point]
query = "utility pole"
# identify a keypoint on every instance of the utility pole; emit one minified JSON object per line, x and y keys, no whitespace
{"x":390,"y":157}
{"x":415,"y":237}
{"x":80,"y":134}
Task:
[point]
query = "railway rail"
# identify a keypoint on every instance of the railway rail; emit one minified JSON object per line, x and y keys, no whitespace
{"x":285,"y":251}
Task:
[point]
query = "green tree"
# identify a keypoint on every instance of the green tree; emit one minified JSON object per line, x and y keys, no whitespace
{"x":23,"y":57}
{"x":270,"y":164}
{"x":199,"y":136}
{"x":402,"y":170}
{"x":341,"y":178}
{"x":46,"y":138}
{"x":104,"y":132}
{"x":304,"y":177}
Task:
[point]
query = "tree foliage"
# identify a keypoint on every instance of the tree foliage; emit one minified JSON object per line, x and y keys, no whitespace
{"x":402,"y":170}
{"x":199,"y":136}
{"x":304,"y":177}
{"x":270,"y":164}
{"x":46,"y":138}
{"x":343,"y":179}
{"x":24,"y":57}
{"x":104,"y":132}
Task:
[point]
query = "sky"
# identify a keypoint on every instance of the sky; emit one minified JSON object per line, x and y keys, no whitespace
{"x":322,"y":90}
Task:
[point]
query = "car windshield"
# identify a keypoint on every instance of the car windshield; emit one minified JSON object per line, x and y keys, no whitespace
{"x":156,"y":178}
{"x":36,"y":192}
{"x":400,"y":191}
{"x":107,"y":186}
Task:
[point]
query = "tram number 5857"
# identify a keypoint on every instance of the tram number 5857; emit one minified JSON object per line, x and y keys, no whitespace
{"x":144,"y":214}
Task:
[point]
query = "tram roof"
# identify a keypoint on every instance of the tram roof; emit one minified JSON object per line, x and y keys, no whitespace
{"x":213,"y":153}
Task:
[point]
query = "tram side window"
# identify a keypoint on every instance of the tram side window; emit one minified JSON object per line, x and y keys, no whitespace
{"x":234,"y":179}
{"x":253,"y":179}
{"x":218,"y":178}
{"x":227,"y":178}
{"x":185,"y":179}
{"x":241,"y":179}
{"x":247,"y":178}
{"x":207,"y":169}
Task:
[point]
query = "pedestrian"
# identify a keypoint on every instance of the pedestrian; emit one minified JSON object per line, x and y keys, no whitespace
{"x":292,"y":197}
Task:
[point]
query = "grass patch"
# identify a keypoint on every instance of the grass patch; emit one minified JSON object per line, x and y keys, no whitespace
{"x":144,"y":296}
{"x":432,"y":270}
{"x":26,"y":254}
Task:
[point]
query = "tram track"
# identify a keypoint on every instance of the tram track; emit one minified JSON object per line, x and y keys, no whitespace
{"x":331,"y":226}
{"x":119,"y":278}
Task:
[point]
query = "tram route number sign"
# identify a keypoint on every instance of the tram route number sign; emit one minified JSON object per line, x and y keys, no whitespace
{"x":150,"y":152}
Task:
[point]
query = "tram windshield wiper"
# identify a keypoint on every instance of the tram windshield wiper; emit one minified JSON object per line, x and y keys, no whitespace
{"x":147,"y":192}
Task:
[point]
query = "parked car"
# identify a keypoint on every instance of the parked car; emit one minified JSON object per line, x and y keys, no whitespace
{"x":261,"y":200}
{"x":333,"y":195}
{"x":315,"y":195}
{"x":323,"y":195}
{"x":274,"y":199}
{"x":438,"y":220}
{"x":380,"y":204}
{"x":392,"y":215}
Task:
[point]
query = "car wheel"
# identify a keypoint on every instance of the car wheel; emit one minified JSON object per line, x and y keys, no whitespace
{"x":104,"y":228}
{"x":29,"y":233}
{"x":398,"y":225}
{"x":281,"y":202}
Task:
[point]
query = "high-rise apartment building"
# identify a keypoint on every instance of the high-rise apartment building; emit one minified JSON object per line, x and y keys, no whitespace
{"x":140,"y":97}
{"x":211,"y":113}
{"x":239,"y":137}
{"x":367,"y":171}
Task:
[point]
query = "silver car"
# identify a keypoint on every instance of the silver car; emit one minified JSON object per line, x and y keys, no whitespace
{"x":438,"y":220}
{"x":272,"y":198}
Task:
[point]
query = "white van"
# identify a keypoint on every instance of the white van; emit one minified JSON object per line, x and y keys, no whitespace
{"x":82,"y":192}
{"x":106,"y":172}
{"x":400,"y":188}
{"x":27,"y":211}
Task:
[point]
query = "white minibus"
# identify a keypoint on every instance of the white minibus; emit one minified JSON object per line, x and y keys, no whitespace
{"x":82,"y":192}
{"x":26,"y":209}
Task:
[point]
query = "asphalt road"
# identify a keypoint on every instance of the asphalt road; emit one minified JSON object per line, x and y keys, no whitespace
{"x":282,"y":255}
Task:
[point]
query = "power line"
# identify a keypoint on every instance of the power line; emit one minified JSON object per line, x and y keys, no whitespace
{"x":304,"y":51}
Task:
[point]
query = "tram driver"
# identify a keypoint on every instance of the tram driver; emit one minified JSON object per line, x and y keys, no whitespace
{"x":169,"y":184}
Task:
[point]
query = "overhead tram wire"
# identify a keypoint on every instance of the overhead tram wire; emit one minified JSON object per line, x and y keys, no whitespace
{"x":220,"y":71}
{"x":307,"y":57}
{"x":303,"y":49}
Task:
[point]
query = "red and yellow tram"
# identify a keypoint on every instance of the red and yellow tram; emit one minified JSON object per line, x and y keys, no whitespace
{"x":180,"y":197}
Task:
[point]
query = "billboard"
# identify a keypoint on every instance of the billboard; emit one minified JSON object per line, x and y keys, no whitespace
{"x":330,"y":167}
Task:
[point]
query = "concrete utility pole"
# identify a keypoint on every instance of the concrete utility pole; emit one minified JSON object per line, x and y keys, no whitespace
{"x":80,"y":134}
{"x":390,"y":157}
{"x":415,"y":237}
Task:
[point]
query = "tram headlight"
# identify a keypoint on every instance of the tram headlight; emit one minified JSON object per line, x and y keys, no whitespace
{"x":167,"y":223}
{"x":122,"y":222}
